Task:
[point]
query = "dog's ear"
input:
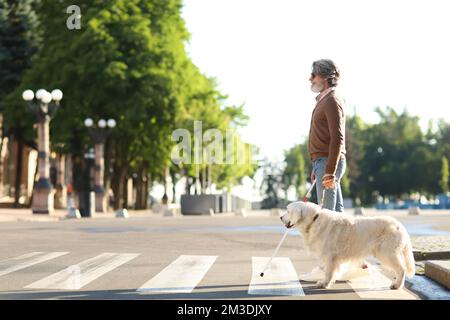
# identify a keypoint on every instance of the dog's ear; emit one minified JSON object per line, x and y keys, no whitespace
{"x":296,"y":208}
{"x":299,"y":209}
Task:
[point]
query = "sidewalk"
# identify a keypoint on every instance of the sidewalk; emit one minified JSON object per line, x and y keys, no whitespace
{"x":13,"y":215}
{"x":25,"y":214}
{"x":16,"y":215}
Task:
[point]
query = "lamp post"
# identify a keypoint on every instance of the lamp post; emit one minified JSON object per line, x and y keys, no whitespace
{"x":40,"y":104}
{"x":99,"y":133}
{"x":87,"y":207}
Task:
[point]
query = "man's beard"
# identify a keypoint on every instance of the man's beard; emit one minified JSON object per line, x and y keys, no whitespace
{"x":317,"y":88}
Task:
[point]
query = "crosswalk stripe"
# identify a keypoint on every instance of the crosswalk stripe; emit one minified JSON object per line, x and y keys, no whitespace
{"x":279,"y":279}
{"x":377,"y":286}
{"x":77,"y":276}
{"x":26,"y":260}
{"x":184,"y":274}
{"x":181,"y":276}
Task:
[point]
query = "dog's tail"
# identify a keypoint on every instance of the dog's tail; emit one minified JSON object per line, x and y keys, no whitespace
{"x":409,"y":259}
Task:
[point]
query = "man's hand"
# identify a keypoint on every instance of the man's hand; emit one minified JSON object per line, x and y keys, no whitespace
{"x":313,"y":176}
{"x":328,"y":181}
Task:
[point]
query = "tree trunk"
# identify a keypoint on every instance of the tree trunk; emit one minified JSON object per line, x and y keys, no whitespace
{"x":116,"y":192}
{"x":173,"y":177}
{"x":187,"y":187}
{"x":108,"y":163}
{"x":197,"y":179}
{"x":124,"y":182}
{"x":18,"y":172}
{"x":145,"y":191}
{"x":209,"y":177}
{"x":119,"y":185}
{"x":1,"y":153}
{"x":141,"y":191}
{"x":203,"y":177}
{"x":165,"y":198}
{"x":139,"y":184}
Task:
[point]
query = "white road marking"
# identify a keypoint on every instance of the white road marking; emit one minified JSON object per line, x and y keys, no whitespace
{"x":181,"y":276}
{"x":77,"y":276}
{"x":377,"y":286}
{"x":26,"y":260}
{"x":279,"y":279}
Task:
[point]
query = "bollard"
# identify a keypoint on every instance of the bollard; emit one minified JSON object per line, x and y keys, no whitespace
{"x":168,"y":212}
{"x":122,"y":213}
{"x":157,"y":208}
{"x":73,"y":213}
{"x":92,"y":203}
{"x":414,"y":211}
{"x":241,"y":212}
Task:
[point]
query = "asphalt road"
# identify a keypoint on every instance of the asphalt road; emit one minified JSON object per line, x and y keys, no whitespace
{"x":158,"y":257}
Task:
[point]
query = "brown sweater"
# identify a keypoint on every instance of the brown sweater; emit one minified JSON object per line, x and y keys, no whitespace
{"x":327,"y":131}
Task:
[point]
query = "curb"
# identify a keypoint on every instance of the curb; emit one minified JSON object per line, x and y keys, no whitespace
{"x":431,"y":255}
{"x":439,"y":271}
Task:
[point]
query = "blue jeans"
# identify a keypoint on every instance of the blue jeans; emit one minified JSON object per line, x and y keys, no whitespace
{"x":333,"y":197}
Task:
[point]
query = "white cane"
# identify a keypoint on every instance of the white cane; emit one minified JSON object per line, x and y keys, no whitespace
{"x":285,"y":233}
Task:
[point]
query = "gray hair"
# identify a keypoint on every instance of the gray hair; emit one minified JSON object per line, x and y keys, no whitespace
{"x":328,"y":70}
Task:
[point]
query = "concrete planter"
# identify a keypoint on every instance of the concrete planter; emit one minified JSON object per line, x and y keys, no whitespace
{"x":209,"y":204}
{"x":201,"y":204}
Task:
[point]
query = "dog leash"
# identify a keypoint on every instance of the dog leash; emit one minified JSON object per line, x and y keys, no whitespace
{"x":305,"y":198}
{"x":323,"y":197}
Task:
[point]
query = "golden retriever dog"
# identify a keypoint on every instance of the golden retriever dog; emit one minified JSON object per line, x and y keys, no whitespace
{"x":339,"y":238}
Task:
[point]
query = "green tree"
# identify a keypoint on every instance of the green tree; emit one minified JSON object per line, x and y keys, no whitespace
{"x":123,"y":64}
{"x":398,"y":159}
{"x":127,"y":62}
{"x":203,"y":102}
{"x":19,"y":41}
{"x":387,"y":155}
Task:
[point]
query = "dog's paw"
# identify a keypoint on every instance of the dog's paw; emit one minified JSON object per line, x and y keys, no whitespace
{"x":322,"y":285}
{"x":395,"y":286}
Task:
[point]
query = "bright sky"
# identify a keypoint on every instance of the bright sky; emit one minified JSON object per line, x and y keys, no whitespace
{"x":390,"y":53}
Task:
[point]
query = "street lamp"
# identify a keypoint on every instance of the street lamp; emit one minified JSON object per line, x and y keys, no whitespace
{"x":41,"y":105}
{"x":99,"y":133}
